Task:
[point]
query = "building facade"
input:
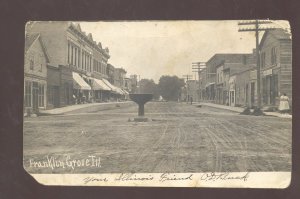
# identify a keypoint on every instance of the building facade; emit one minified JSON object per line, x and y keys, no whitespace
{"x":218,"y":71}
{"x":276,"y":66}
{"x":35,"y":74}
{"x":69,"y":46}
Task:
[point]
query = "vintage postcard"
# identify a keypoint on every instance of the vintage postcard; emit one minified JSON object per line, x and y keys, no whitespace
{"x":158,"y":103}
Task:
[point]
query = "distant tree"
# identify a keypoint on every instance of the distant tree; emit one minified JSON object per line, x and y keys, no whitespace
{"x":149,"y":86}
{"x":170,"y":87}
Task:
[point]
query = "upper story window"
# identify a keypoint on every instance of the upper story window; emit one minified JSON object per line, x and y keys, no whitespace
{"x":244,"y":59}
{"x":31,"y":63}
{"x":73,"y":54}
{"x":41,"y":63}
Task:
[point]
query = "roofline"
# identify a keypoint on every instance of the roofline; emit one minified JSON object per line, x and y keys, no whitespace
{"x":43,"y":47}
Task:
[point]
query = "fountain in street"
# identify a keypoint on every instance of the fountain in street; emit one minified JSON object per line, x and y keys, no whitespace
{"x":141,"y":100}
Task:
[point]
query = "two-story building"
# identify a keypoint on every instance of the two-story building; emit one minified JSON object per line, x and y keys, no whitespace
{"x":276,"y":66}
{"x":68,"y":45}
{"x":35,"y":74}
{"x":219,"y":68}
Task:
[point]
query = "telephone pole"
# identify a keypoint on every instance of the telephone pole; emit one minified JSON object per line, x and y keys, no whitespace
{"x":188,"y":77}
{"x":197,"y":67}
{"x":255,"y":27}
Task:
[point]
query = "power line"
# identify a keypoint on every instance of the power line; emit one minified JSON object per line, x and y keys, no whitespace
{"x":256,"y":23}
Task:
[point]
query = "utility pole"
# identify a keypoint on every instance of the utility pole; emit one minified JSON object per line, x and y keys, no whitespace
{"x":197,"y":67}
{"x":256,"y":23}
{"x":188,"y":77}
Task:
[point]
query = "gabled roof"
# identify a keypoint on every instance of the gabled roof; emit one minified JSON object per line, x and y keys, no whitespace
{"x":278,"y":33}
{"x":30,"y":39}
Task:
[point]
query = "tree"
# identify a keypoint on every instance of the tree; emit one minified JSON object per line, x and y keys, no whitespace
{"x":169,"y":87}
{"x":149,"y":86}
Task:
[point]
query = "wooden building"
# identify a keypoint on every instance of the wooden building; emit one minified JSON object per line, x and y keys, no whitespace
{"x":276,"y":66}
{"x":35,"y":74}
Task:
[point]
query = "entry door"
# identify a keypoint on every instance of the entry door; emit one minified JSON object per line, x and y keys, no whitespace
{"x":35,"y":100}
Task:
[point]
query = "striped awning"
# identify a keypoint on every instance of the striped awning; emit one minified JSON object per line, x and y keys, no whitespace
{"x":125,"y":92}
{"x":98,"y":84}
{"x":112,"y":87}
{"x":79,"y":83}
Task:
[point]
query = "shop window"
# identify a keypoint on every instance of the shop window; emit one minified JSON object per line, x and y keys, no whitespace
{"x":27,"y":94}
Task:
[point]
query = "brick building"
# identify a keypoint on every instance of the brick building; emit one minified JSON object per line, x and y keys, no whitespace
{"x":69,"y":46}
{"x":218,"y":71}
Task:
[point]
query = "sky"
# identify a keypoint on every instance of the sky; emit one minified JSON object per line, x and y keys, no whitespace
{"x":151,"y":49}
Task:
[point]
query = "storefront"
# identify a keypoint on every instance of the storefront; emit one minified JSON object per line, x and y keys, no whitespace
{"x":270,"y":87}
{"x":115,"y":93}
{"x":210,"y":91}
{"x":101,"y":90}
{"x":34,"y":94}
{"x":232,"y":81}
{"x":81,"y":90}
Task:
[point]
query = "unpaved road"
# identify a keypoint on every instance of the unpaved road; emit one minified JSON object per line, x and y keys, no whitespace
{"x":181,"y":138}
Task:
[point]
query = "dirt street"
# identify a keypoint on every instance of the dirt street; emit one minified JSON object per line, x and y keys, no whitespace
{"x":180,"y":138}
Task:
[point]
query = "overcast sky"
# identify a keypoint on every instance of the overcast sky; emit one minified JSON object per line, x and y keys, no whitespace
{"x":154,"y":48}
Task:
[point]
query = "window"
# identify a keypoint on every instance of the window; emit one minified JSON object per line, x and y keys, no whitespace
{"x":41,"y":63}
{"x":78,"y":61}
{"x":68,"y":53}
{"x":244,"y":59}
{"x":273,"y":56}
{"x":41,"y":95}
{"x":27,"y":94}
{"x":75,"y":61}
{"x":31,"y":62}
{"x":82,"y":59}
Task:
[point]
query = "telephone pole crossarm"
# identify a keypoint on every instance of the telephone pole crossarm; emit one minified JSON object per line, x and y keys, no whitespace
{"x":255,"y":27}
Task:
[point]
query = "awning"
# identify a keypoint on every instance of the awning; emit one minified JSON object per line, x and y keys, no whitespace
{"x":98,"y":84}
{"x":208,"y":84}
{"x":79,"y":83}
{"x":120,"y":91}
{"x":112,"y":87}
{"x":125,"y":92}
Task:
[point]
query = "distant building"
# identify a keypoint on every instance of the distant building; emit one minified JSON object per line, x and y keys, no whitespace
{"x":35,"y":74}
{"x":134,"y":83}
{"x":202,"y":83}
{"x":192,"y":87}
{"x":218,"y":71}
{"x":119,"y":75}
{"x":127,"y":84}
{"x":276,"y":66}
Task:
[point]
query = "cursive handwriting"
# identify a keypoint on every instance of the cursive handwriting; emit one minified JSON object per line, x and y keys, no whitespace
{"x":133,"y":177}
{"x":224,"y":176}
{"x":173,"y":177}
{"x":93,"y":179}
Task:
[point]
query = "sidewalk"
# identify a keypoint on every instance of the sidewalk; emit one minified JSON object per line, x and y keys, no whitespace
{"x":240,"y":109}
{"x":74,"y":107}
